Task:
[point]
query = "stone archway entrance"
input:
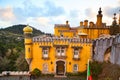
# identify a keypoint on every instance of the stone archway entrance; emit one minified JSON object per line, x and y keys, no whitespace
{"x":107,"y":55}
{"x":60,"y":67}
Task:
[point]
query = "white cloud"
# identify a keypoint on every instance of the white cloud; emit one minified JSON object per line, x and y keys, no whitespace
{"x":46,"y":13}
{"x":43,"y":21}
{"x":4,"y":24}
{"x":7,"y":14}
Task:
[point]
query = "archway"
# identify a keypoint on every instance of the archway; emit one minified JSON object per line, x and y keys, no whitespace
{"x":107,"y":55}
{"x":60,"y":67}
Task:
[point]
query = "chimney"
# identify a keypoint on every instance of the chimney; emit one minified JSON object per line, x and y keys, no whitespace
{"x":67,"y":22}
{"x":85,"y":23}
{"x":81,"y":23}
{"x":91,"y":24}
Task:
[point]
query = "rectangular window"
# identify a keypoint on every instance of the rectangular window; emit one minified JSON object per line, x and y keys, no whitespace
{"x":45,"y":52}
{"x":29,"y":50}
{"x":60,"y":51}
{"x":76,"y":53}
{"x":75,"y":68}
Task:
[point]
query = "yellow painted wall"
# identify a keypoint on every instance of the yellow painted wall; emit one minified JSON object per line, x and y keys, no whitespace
{"x":85,"y":54}
{"x":36,"y":50}
{"x":38,"y":62}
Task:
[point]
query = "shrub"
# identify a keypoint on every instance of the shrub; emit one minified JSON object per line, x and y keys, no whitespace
{"x":96,"y":68}
{"x":36,"y":73}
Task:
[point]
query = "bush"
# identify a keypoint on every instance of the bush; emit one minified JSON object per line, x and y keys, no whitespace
{"x":36,"y":73}
{"x":96,"y":68}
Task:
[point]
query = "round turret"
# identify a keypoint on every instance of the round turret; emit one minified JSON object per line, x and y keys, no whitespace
{"x":27,"y":29}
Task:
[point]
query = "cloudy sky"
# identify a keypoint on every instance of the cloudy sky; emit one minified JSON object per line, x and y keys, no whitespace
{"x":43,"y":14}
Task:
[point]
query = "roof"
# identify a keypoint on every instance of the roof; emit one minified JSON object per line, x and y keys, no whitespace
{"x":61,"y":25}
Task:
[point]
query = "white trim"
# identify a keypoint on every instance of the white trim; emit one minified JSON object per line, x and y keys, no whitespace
{"x":56,"y":65}
{"x":74,"y":69}
{"x":76,"y":51}
{"x":45,"y":68}
{"x":45,"y":52}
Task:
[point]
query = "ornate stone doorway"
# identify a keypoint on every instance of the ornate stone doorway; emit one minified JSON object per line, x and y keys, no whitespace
{"x":60,"y":68}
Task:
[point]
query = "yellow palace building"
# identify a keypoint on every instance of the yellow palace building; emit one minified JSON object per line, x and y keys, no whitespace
{"x":67,"y":50}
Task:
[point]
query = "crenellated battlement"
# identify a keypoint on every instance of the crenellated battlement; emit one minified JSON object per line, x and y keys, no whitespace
{"x":61,"y":39}
{"x":109,"y":45}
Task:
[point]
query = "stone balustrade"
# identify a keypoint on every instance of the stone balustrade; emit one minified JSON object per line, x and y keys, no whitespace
{"x":15,"y":73}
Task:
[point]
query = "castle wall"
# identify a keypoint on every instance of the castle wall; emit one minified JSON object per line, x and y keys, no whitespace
{"x":102,"y":44}
{"x":69,"y":43}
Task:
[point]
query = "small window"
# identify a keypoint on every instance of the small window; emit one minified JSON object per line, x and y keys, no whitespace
{"x":45,"y":52}
{"x":45,"y":68}
{"x":76,"y":51}
{"x":29,"y":50}
{"x":75,"y":68}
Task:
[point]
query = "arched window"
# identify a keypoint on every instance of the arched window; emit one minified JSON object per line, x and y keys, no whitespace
{"x":45,"y":68}
{"x":75,"y":68}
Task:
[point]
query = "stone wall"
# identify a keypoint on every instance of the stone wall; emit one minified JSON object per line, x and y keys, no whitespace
{"x":101,"y":45}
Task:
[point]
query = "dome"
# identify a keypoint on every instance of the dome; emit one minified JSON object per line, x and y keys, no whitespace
{"x":27,"y":29}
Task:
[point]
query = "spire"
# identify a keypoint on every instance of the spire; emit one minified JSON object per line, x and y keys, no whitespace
{"x":114,"y":17}
{"x":99,"y":18}
{"x":114,"y":20}
{"x":99,"y":12}
{"x":67,"y":22}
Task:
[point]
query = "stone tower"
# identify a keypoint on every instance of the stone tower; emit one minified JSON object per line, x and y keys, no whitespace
{"x":28,"y":44}
{"x":99,"y":18}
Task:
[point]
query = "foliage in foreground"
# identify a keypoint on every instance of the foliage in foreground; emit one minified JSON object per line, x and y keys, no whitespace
{"x":36,"y":73}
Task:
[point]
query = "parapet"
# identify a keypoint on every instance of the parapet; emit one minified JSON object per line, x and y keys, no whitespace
{"x":64,"y":39}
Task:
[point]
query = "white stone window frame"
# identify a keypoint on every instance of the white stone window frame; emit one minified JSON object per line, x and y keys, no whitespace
{"x":76,"y":53}
{"x":75,"y":68}
{"x":45,"y":52}
{"x":45,"y":68}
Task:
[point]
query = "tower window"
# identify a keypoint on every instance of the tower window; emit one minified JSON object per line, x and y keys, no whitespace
{"x":29,"y":50}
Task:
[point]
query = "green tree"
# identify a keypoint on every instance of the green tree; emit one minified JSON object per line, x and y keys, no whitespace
{"x":21,"y":63}
{"x":4,"y":64}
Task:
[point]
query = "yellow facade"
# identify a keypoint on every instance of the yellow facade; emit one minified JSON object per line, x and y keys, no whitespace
{"x":67,"y":51}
